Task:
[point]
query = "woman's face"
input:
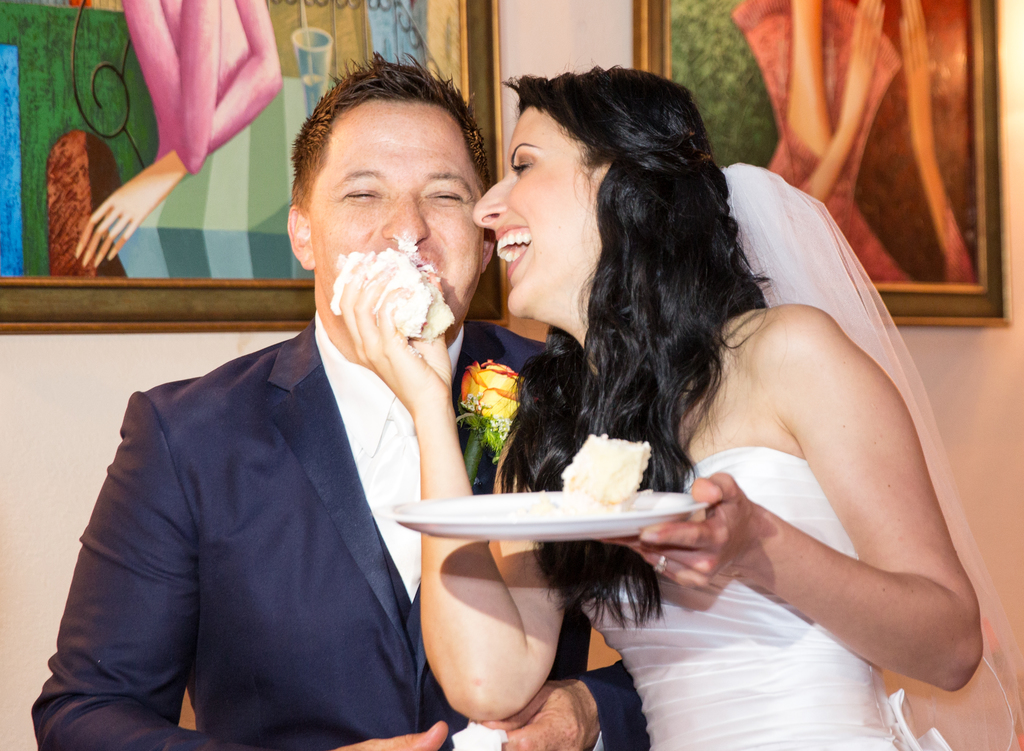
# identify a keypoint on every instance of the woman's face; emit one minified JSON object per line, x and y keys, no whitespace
{"x":544,"y":219}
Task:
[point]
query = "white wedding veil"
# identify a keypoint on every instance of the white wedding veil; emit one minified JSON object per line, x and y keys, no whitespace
{"x":791,"y":239}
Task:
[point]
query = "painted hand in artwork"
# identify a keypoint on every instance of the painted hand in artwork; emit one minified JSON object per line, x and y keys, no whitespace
{"x":867,"y":34}
{"x":865,"y":43}
{"x":117,"y":218}
{"x":914,"y":42}
{"x":211,"y":67}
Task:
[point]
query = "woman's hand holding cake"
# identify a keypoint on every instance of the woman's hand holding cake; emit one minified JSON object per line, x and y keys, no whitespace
{"x":418,"y":311}
{"x":405,"y":347}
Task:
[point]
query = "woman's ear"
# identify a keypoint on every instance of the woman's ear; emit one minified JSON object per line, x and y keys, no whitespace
{"x":300,"y":233}
{"x":598,"y":174}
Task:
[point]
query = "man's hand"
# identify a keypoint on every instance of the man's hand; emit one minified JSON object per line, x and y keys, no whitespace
{"x":428,"y":741}
{"x":562,"y":716}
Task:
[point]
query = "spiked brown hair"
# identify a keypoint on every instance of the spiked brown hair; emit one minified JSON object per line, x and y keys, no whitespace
{"x":379,"y":80}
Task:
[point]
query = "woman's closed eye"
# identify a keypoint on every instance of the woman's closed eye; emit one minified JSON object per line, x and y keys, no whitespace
{"x":520,"y":167}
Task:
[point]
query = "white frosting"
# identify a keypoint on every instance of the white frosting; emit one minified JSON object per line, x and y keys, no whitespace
{"x":421,"y":313}
{"x":479,"y":738}
{"x":407,"y":244}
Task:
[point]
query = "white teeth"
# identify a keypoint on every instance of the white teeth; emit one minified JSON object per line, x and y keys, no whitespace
{"x":520,"y":237}
{"x":509,"y":255}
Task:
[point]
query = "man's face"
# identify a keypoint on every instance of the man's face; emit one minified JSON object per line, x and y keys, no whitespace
{"x":393,"y":169}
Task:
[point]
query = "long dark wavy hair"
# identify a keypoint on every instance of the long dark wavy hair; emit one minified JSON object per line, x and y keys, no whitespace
{"x":669,"y":277}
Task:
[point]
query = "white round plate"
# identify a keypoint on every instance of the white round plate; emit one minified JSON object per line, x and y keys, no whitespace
{"x":506,"y":517}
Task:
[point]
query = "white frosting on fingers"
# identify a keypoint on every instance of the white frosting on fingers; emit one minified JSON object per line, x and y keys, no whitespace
{"x":419,"y":312}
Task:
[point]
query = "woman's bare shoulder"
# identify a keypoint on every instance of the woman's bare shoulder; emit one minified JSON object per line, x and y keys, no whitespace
{"x":774,"y":334}
{"x":796,"y":352}
{"x":791,"y":345}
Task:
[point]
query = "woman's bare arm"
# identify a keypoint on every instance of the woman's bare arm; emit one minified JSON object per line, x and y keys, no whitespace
{"x":490,"y":624}
{"x":257,"y":81}
{"x":906,"y":604}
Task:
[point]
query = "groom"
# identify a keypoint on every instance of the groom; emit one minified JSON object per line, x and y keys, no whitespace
{"x":232,"y":549}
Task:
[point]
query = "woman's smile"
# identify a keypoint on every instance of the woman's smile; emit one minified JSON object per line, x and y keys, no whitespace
{"x":543,"y":214}
{"x":512,"y":243}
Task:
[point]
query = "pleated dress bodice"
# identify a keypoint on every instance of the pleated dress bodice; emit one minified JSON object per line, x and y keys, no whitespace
{"x":731,"y":666}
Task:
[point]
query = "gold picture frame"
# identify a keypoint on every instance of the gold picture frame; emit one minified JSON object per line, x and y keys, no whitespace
{"x":35,"y":304}
{"x":984,"y":303}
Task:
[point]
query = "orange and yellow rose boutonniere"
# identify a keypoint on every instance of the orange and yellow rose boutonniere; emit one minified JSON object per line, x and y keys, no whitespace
{"x":488,"y":402}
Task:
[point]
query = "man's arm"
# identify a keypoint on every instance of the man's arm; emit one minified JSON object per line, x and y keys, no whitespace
{"x":619,"y":709}
{"x":599,"y":711}
{"x":127,"y":640}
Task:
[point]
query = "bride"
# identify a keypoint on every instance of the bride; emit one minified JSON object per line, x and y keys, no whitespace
{"x":824,"y":557}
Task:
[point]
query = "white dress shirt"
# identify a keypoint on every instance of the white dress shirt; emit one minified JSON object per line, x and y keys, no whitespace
{"x":383,"y":440}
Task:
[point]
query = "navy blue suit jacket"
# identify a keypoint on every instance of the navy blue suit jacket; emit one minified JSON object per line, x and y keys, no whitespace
{"x":232,"y":550}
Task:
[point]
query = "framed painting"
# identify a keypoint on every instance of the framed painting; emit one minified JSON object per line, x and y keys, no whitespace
{"x":209,"y":248}
{"x":887,"y":114}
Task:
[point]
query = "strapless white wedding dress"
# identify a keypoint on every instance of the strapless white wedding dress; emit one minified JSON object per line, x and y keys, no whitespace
{"x":730,"y":666}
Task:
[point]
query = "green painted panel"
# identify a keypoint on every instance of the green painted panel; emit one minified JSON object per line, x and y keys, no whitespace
{"x":268,"y":177}
{"x":227,"y":199}
{"x":711,"y":58}
{"x":48,"y":111}
{"x":186,"y":205}
{"x":294,"y":118}
{"x":271,"y":255}
{"x":276,"y":224}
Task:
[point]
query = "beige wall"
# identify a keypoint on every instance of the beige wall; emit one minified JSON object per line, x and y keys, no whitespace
{"x":62,"y":397}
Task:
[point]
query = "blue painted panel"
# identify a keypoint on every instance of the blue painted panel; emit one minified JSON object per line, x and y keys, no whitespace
{"x":271,"y":255}
{"x":227,"y":252}
{"x":185,"y":253}
{"x":142,"y":256}
{"x":12,"y":262}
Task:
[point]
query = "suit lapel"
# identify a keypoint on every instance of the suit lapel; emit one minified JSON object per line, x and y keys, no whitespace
{"x":414,"y":628}
{"x":464,"y":362}
{"x":309,"y":421}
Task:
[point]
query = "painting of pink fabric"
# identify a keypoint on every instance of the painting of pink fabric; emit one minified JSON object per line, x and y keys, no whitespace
{"x":870,"y":109}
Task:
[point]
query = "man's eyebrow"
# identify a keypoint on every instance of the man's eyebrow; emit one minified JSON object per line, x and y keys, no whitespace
{"x":360,"y":173}
{"x":455,"y":177}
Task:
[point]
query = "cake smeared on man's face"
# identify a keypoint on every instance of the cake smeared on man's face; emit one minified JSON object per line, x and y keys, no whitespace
{"x":419,"y":310}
